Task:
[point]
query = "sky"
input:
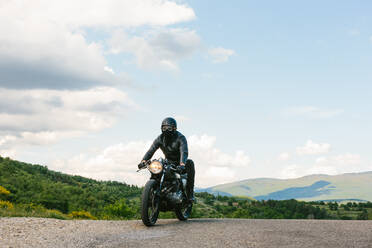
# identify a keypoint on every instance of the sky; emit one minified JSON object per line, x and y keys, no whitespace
{"x":278,"y":89}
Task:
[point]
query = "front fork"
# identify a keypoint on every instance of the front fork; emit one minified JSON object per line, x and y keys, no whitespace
{"x":161,"y":181}
{"x":158,"y":190}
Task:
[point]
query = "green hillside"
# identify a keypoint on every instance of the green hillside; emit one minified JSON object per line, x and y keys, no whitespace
{"x":344,"y":187}
{"x":36,"y":184}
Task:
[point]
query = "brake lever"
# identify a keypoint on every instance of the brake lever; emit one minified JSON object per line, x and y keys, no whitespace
{"x":141,"y":168}
{"x":146,"y":164}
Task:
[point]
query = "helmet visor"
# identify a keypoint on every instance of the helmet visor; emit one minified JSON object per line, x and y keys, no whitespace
{"x":166,"y":128}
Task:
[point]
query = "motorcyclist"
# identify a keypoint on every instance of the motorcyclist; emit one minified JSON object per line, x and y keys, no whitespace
{"x":174,"y":146}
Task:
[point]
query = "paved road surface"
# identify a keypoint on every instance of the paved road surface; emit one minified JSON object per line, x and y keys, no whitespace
{"x":38,"y":232}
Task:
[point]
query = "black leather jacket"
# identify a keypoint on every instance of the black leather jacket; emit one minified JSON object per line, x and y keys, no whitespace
{"x":175,"y":149}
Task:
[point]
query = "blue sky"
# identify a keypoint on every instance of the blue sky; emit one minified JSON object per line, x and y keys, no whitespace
{"x":261,"y":89}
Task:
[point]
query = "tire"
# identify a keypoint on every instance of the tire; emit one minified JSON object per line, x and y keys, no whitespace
{"x":183,"y":212}
{"x":150,"y":203}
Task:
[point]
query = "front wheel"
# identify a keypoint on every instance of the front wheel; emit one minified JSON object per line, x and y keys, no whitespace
{"x":184,"y":212}
{"x":150,"y":203}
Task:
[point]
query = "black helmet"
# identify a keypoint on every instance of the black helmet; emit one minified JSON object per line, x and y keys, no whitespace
{"x":169,"y":121}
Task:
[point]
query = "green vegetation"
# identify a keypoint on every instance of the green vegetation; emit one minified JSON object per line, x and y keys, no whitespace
{"x":54,"y":190}
{"x":33,"y":190}
{"x":210,"y":206}
{"x":81,"y":215}
{"x":32,"y":210}
{"x":232,"y":207}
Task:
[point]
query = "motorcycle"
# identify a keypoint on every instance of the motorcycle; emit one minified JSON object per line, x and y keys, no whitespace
{"x":165,"y":191}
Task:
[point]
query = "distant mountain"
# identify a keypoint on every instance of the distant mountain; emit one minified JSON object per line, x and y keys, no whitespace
{"x":349,"y":186}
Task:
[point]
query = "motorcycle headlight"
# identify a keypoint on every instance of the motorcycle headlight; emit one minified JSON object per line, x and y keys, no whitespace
{"x":155,"y":167}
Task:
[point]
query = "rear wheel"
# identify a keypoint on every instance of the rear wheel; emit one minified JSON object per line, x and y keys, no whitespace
{"x":184,"y":211}
{"x":150,"y":203}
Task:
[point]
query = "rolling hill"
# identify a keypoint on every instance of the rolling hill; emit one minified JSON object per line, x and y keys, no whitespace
{"x":343,"y":187}
{"x":29,"y":183}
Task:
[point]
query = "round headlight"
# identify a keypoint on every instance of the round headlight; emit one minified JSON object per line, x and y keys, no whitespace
{"x":155,"y":167}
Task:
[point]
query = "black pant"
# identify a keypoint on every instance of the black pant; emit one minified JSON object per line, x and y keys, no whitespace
{"x":190,"y":169}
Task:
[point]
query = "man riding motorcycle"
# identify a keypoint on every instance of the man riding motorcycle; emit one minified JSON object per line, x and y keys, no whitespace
{"x":174,"y":146}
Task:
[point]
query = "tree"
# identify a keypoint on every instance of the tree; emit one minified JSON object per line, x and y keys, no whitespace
{"x":363,"y":215}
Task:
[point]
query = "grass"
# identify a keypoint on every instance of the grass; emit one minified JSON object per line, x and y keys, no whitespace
{"x":31,"y":210}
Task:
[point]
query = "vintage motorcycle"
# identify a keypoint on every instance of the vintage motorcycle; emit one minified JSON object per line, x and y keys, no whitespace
{"x":165,"y":191}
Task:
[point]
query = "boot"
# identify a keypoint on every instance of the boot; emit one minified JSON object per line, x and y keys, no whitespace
{"x":192,"y":197}
{"x":190,"y":193}
{"x":190,"y":168}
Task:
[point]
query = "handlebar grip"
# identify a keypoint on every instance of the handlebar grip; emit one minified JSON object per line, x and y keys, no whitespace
{"x":141,"y":166}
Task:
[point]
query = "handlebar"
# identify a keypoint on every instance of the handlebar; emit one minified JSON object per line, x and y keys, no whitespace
{"x":144,"y":165}
{"x":172,"y":167}
{"x":177,"y":169}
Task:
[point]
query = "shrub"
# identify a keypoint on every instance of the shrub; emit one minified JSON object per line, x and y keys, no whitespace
{"x":120,"y":209}
{"x":363,"y":215}
{"x":56,"y":214}
{"x":345,"y":217}
{"x":81,"y":215}
{"x":4,"y":191}
{"x":6,"y":205}
{"x":31,"y":207}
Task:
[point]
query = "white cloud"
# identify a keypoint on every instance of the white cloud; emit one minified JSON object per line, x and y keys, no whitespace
{"x":220,"y":54}
{"x":55,"y":83}
{"x":7,"y":139}
{"x":312,"y":148}
{"x":95,"y":13}
{"x":45,"y":110}
{"x":37,"y":138}
{"x":291,"y":171}
{"x":119,"y":162}
{"x":109,"y":69}
{"x":219,"y":175}
{"x":284,"y":156}
{"x":343,"y":159}
{"x":43,"y":117}
{"x":11,"y":153}
{"x":330,"y":165}
{"x":203,"y":147}
{"x":181,"y":118}
{"x":312,"y":112}
{"x":42,"y":54}
{"x":161,"y":49}
{"x":42,"y":44}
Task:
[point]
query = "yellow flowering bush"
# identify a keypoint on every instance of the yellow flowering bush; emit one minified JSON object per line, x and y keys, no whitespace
{"x":4,"y":191}
{"x":53,"y":213}
{"x":82,"y":215}
{"x":6,"y":205}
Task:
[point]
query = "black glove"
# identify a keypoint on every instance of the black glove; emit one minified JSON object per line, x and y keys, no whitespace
{"x":182,"y":169}
{"x":141,"y":165}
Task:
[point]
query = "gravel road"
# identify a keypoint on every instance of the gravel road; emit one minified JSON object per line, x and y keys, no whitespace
{"x":38,"y":232}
